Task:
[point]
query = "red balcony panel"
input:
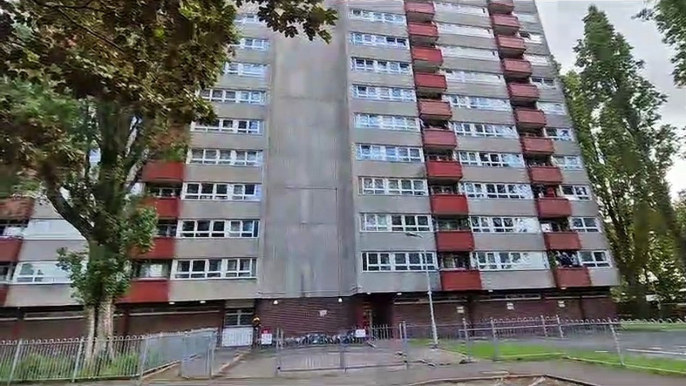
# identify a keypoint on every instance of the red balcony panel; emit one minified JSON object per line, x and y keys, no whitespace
{"x":419,"y":11}
{"x":9,"y":249}
{"x":572,"y":277}
{"x":553,"y":207}
{"x":529,"y":118}
{"x":4,"y":289}
{"x":439,"y":138}
{"x":164,"y":248}
{"x":523,"y":92}
{"x":167,"y":207}
{"x":431,"y":83}
{"x":505,"y":24}
{"x":451,"y":170}
{"x":422,"y":32}
{"x":454,"y":241}
{"x":428,"y":58}
{"x":516,"y":68}
{"x":510,"y":45}
{"x":160,"y":171}
{"x":564,"y":241}
{"x":449,"y":204}
{"x":461,"y":280}
{"x":147,"y":291}
{"x":547,"y":175}
{"x":19,"y":208}
{"x":501,"y":6}
{"x":434,"y":110}
{"x":537,"y":145}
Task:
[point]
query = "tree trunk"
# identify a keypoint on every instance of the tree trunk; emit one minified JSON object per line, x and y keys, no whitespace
{"x":637,"y":299}
{"x":105,"y":328}
{"x":90,"y":328}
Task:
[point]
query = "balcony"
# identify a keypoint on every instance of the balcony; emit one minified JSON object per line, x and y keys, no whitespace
{"x":4,"y":289}
{"x":516,"y":68}
{"x":562,"y":241}
{"x":522,"y":92}
{"x":434,"y":110}
{"x":500,"y":6}
{"x":553,"y":207}
{"x":147,"y":291}
{"x":537,"y":146}
{"x":449,"y":204}
{"x":439,"y":138}
{"x":16,"y":208}
{"x":422,"y":33}
{"x":545,"y":175}
{"x":461,"y":280}
{"x":419,"y":11}
{"x":9,"y":249}
{"x":163,"y":248}
{"x":427,"y":83}
{"x":454,"y":241}
{"x":505,"y":24}
{"x":160,"y":171}
{"x":167,"y":207}
{"x":529,"y":118}
{"x":572,"y":277}
{"x":445,"y":170}
{"x":510,"y":46}
{"x":429,"y":59}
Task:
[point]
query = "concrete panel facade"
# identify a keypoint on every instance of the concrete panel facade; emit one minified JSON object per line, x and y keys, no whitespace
{"x":566,"y":148}
{"x":216,"y":248}
{"x":46,"y":250}
{"x":391,"y":282}
{"x":485,"y":116}
{"x":39,"y":295}
{"x":509,"y":242}
{"x":493,"y":145}
{"x":222,"y":173}
{"x":502,"y":207}
{"x":513,"y":280}
{"x":469,"y":64}
{"x":575,"y":177}
{"x":201,"y":209}
{"x":478,"y":89}
{"x":219,"y":289}
{"x":487,"y":174}
{"x":398,"y":241}
{"x":584,"y":208}
{"x":387,"y":137}
{"x":593,"y":241}
{"x":228,"y":141}
{"x":604,"y":277}
{"x":393,"y":204}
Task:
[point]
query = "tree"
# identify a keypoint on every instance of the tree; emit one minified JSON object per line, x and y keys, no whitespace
{"x":627,"y":153}
{"x":92,"y":90}
{"x":670,"y":18}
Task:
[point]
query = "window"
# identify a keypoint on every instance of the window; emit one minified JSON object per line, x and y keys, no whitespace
{"x":502,"y":160}
{"x":484,"y":130}
{"x":231,"y":126}
{"x":468,"y":52}
{"x":247,"y":18}
{"x":386,"y":122}
{"x":234,"y":96}
{"x":493,"y":190}
{"x":382,"y":17}
{"x":392,"y":186}
{"x":559,"y":133}
{"x":12,"y":228}
{"x":221,"y":192}
{"x":452,"y":224}
{"x":552,"y":108}
{"x":225,"y":157}
{"x":51,"y":229}
{"x":472,"y":76}
{"x":384,"y":93}
{"x":150,"y":270}
{"x":215,"y":269}
{"x":483,"y":224}
{"x":461,"y":8}
{"x":238,"y":317}
{"x":255,"y":44}
{"x":380,"y":66}
{"x":6,"y":270}
{"x":480,"y":103}
{"x":163,"y":191}
{"x":537,"y":60}
{"x":541,"y":82}
{"x":253,"y":70}
{"x":362,"y":39}
{"x":166,"y":228}
{"x":467,"y":30}
{"x":526,"y":17}
{"x":531,"y":37}
{"x":219,"y":228}
{"x":398,"y":261}
{"x":584,"y":224}
{"x":40,"y":272}
{"x":372,"y":222}
{"x":497,"y":261}
{"x":568,"y":162}
{"x":594,"y":259}
{"x":576,"y":192}
{"x":389,"y":153}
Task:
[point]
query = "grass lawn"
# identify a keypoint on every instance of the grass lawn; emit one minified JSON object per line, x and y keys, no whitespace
{"x":639,"y":326}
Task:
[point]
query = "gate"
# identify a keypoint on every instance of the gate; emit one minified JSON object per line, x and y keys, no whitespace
{"x":376,"y":346}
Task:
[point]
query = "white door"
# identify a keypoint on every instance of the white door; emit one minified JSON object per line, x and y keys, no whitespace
{"x":236,"y":336}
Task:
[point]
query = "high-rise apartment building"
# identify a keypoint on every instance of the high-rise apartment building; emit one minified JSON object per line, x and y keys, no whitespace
{"x":423,"y":129}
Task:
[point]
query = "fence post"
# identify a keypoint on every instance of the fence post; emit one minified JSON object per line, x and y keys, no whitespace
{"x":559,"y":326}
{"x":545,"y":330}
{"x":79,"y":353}
{"x":616,"y":339}
{"x":15,"y":361}
{"x":468,"y":342}
{"x":405,"y":344}
{"x":341,"y":356}
{"x":279,"y":347}
{"x":210,"y":354}
{"x":144,"y":358}
{"x":496,"y":349}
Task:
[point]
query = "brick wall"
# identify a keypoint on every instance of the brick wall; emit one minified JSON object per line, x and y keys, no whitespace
{"x":171,"y":322}
{"x":599,"y":308}
{"x":299,"y":316}
{"x":484,"y":310}
{"x":418,"y":313}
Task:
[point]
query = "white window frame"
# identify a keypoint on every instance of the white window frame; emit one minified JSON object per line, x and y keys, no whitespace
{"x":219,"y":95}
{"x":478,"y":103}
{"x":386,"y":122}
{"x":526,"y":17}
{"x":151,"y":270}
{"x":553,"y":108}
{"x":230,"y":126}
{"x":379,"y":93}
{"x":393,"y":186}
{"x":501,"y":160}
{"x":217,"y":191}
{"x":380,"y":66}
{"x":461,"y":8}
{"x":6,"y":272}
{"x":398,"y":261}
{"x":493,"y":190}
{"x":381,"y":222}
{"x":12,"y":228}
{"x":504,"y":224}
{"x":469,"y":53}
{"x":594,"y":259}
{"x":485,"y":130}
{"x":568,"y":162}
{"x":253,"y":44}
{"x":537,"y":60}
{"x":585,"y":224}
{"x":470,"y":77}
{"x":35,"y":278}
{"x":508,"y":261}
{"x":578,"y":192}
{"x":532,"y":37}
{"x":543,"y":82}
{"x":556,"y":136}
{"x":228,"y":157}
{"x":248,"y":70}
{"x":388,"y":153}
{"x":372,"y":40}
{"x":464,"y":30}
{"x":247,"y":18}
{"x":378,"y":17}
{"x":224,"y":268}
{"x":231,"y":229}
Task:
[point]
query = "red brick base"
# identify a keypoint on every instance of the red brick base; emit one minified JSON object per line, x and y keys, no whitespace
{"x":299,"y":316}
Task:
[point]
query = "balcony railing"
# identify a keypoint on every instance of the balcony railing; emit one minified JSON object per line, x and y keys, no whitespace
{"x":545,"y":175}
{"x":449,"y":204}
{"x":160,"y":171}
{"x":167,"y":207}
{"x":562,"y":241}
{"x":434,"y":110}
{"x":419,"y":11}
{"x":428,"y":59}
{"x":446,"y":170}
{"x":147,"y":291}
{"x":461,"y":280}
{"x":423,"y":33}
{"x":523,"y":92}
{"x":16,"y":208}
{"x":572,"y":277}
{"x":537,"y":146}
{"x":439,"y":138}
{"x":510,"y":45}
{"x":427,"y":83}
{"x":553,"y":207}
{"x":454,"y":241}
{"x":501,"y":6}
{"x":505,"y":24}
{"x":164,"y":248}
{"x":516,"y":68}
{"x":529,"y":118}
{"x":9,"y":249}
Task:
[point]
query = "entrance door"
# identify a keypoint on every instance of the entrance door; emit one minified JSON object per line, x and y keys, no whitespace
{"x":237,"y":329}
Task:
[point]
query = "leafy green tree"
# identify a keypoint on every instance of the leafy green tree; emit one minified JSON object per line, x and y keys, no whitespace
{"x":92,"y":90}
{"x":670,"y":18}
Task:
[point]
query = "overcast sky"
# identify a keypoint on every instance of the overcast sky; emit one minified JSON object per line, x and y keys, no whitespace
{"x":562,"y":20}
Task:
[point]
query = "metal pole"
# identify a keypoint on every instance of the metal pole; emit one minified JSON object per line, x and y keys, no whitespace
{"x":616,"y":339}
{"x":406,"y":351}
{"x":78,"y":361}
{"x":144,"y":358}
{"x":559,"y":326}
{"x":496,"y":349}
{"x":545,"y":330}
{"x":468,"y":342}
{"x":434,"y":332}
{"x":15,"y":361}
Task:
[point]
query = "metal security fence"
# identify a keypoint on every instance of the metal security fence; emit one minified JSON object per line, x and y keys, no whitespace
{"x":124,"y":357}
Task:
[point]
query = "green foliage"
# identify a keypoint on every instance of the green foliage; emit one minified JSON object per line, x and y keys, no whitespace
{"x":670,"y":18}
